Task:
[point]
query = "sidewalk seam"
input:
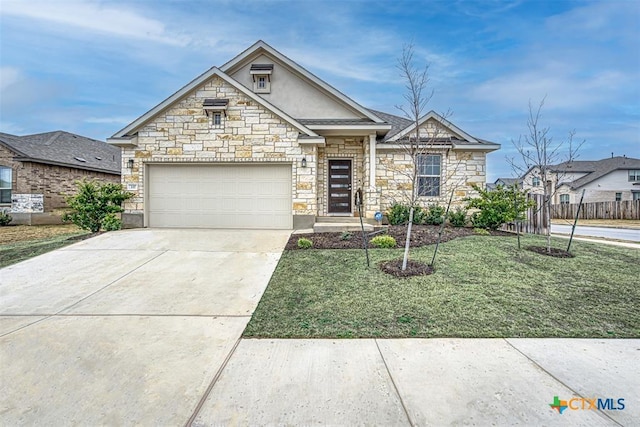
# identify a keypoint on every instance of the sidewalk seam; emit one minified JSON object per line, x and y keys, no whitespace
{"x":213,"y":382}
{"x":602,"y":413}
{"x":395,"y":386}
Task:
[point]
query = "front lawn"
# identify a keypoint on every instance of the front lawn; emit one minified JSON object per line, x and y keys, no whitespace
{"x":21,"y":242}
{"x":483,"y":287}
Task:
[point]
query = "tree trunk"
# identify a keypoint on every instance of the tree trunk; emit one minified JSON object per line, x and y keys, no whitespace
{"x":547,"y":213}
{"x":408,"y":241}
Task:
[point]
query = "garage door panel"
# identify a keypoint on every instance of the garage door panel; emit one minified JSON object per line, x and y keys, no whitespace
{"x":220,"y":196}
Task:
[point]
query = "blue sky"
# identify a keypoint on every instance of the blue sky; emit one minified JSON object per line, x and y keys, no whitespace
{"x":91,"y":67}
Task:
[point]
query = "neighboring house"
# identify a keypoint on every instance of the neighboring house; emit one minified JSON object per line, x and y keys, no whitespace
{"x":38,"y":171}
{"x":505,"y":182}
{"x":606,"y":180}
{"x":262,"y":143}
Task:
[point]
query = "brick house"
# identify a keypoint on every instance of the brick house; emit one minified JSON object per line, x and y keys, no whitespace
{"x":37,"y":171}
{"x":261,"y":142}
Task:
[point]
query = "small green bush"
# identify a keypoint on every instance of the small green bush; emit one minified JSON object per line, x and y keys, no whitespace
{"x":398,"y":214}
{"x":481,"y":231}
{"x":458,"y":218}
{"x":111,"y":223}
{"x":5,"y":218}
{"x":384,"y":241}
{"x":435,"y":215}
{"x":304,"y":243}
{"x":346,"y":235}
{"x":94,"y":202}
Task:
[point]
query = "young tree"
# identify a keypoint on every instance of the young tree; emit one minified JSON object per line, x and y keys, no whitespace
{"x":415,"y":145}
{"x":538,"y":154}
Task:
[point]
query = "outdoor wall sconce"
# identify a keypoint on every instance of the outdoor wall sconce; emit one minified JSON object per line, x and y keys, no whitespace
{"x":304,"y":162}
{"x":130,"y":163}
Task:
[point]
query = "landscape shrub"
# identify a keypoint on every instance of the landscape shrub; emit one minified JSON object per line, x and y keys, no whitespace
{"x":304,"y":243}
{"x":111,"y":223}
{"x":498,"y":206}
{"x":398,"y":214}
{"x":93,"y":203}
{"x":5,"y":218}
{"x":458,"y":218}
{"x":435,"y":215}
{"x":346,"y":235}
{"x":384,"y":241}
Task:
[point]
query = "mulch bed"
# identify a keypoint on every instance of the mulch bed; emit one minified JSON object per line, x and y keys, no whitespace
{"x":421,"y":235}
{"x":414,"y":268}
{"x":556,"y":253}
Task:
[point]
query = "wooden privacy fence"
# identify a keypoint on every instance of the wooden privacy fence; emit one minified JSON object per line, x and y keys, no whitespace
{"x":536,"y":221}
{"x":627,"y":209}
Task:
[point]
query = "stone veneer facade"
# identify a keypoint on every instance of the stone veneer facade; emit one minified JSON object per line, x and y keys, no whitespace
{"x":248,"y":133}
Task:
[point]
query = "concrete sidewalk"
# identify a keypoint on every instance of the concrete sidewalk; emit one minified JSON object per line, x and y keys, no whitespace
{"x":424,"y":382}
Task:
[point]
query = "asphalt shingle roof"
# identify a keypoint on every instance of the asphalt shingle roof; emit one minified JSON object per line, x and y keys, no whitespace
{"x":65,"y":149}
{"x":595,"y":168}
{"x":397,"y":123}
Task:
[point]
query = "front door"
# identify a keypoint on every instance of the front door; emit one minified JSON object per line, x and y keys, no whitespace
{"x":340,"y":186}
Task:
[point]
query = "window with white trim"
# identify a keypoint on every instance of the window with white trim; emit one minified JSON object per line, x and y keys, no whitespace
{"x":636,"y":195}
{"x":216,"y":120}
{"x":634,"y":175}
{"x":429,"y":170}
{"x":6,"y":180}
{"x":564,"y":199}
{"x":535,"y":181}
{"x":618,"y":197}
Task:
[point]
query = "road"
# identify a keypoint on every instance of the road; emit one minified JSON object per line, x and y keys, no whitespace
{"x":605,"y":232}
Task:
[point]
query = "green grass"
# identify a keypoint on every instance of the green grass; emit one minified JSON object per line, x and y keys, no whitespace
{"x":20,"y":251}
{"x":483,"y":287}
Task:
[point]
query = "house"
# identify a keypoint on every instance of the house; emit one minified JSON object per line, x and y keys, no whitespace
{"x":504,"y":182}
{"x":37,"y":171}
{"x":260,"y":142}
{"x":612,"y":179}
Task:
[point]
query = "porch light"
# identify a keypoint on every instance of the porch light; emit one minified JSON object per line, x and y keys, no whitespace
{"x":304,"y":162}
{"x":130,"y":164}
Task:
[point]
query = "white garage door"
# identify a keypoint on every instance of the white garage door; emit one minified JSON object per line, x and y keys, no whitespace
{"x":220,"y":196}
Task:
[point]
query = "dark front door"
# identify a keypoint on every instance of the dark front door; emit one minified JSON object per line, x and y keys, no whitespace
{"x":340,"y":186}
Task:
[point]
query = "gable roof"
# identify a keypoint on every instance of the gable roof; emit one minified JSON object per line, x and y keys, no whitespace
{"x":64,"y":149}
{"x":134,"y":126}
{"x":594,"y":168}
{"x":463,"y":141}
{"x":261,"y":47}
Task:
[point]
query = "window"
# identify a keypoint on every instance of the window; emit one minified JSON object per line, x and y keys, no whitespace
{"x":564,"y":199}
{"x":217,"y":119}
{"x":634,"y":175}
{"x":261,"y":74}
{"x":5,"y":184}
{"x":618,"y":197}
{"x":636,"y":195}
{"x":429,"y":175}
{"x":535,"y":181}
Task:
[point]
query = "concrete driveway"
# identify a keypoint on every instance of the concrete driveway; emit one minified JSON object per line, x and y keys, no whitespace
{"x":130,"y":327}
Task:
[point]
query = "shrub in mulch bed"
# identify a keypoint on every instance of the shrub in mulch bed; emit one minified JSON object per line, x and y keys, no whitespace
{"x":414,"y":268}
{"x":556,"y":253}
{"x":421,"y":235}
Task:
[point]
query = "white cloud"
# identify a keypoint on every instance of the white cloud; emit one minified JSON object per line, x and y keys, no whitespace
{"x":9,"y":76}
{"x":94,"y":17}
